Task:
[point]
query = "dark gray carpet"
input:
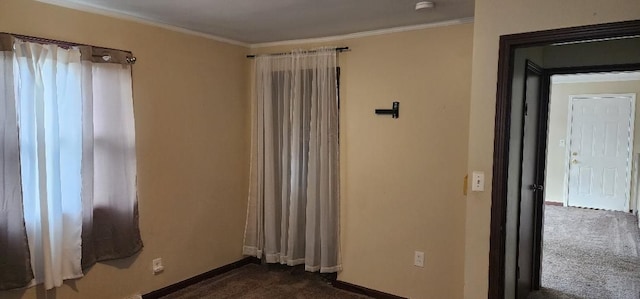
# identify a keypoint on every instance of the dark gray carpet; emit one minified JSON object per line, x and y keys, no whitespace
{"x":590,"y":254}
{"x":261,"y":281}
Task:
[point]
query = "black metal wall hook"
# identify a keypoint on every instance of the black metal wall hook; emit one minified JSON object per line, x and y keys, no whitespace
{"x":395,"y":111}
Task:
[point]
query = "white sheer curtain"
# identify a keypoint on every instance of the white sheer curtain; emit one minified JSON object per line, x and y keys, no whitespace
{"x":50,"y":117}
{"x":293,"y":209}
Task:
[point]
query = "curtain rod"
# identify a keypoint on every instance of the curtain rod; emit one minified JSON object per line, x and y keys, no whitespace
{"x":65,"y":44}
{"x":339,"y":49}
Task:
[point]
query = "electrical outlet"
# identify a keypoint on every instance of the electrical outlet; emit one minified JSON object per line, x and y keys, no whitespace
{"x":157,"y":266}
{"x":418,"y":259}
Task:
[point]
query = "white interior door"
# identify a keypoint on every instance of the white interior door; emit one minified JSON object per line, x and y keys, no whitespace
{"x":601,"y":140}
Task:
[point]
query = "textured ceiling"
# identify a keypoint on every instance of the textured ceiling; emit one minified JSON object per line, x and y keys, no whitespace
{"x":260,"y":21}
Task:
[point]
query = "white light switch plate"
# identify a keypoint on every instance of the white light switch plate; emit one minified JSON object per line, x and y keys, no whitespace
{"x":477,"y":181}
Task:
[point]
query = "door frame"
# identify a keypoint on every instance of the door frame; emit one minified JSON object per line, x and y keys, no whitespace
{"x":632,"y":97}
{"x":506,"y":55}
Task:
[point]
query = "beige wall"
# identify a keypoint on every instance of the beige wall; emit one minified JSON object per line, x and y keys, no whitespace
{"x":492,"y":19}
{"x":402,"y":178}
{"x":191,"y":113}
{"x":556,"y":179}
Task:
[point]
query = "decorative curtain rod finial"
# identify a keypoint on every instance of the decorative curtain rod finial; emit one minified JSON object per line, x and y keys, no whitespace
{"x":131,"y":60}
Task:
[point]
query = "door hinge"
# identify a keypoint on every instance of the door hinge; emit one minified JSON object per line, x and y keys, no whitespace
{"x":526,"y":108}
{"x":517,"y":272}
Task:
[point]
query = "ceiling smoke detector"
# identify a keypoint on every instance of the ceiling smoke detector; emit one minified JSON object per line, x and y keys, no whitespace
{"x":424,"y":4}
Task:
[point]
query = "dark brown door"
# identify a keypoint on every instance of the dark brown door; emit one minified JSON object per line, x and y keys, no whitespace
{"x":531,"y":181}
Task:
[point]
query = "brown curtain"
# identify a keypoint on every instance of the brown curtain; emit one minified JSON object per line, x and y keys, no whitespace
{"x":110,"y":235}
{"x":15,"y":264}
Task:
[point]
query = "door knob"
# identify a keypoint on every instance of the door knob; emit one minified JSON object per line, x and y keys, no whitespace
{"x":536,"y":187}
{"x":574,"y":161}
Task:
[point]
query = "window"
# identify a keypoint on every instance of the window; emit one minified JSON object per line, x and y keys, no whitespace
{"x":74,"y":176}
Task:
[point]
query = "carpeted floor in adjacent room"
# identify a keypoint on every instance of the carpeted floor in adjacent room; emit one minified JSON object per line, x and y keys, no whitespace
{"x":590,"y":254}
{"x":261,"y":281}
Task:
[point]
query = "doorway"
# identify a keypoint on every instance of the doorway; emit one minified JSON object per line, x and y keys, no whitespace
{"x":502,"y":198}
{"x":589,"y":248}
{"x":564,"y":88}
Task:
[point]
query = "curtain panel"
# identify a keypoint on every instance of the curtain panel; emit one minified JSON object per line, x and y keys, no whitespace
{"x":15,"y":262}
{"x":109,"y":196}
{"x":293,"y":208}
{"x":49,"y":115}
{"x":69,"y":164}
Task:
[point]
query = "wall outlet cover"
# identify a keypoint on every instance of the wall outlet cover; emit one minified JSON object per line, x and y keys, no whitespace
{"x":157,"y":266}
{"x":418,"y":259}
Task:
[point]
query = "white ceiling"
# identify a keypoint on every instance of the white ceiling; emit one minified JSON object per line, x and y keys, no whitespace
{"x":263,"y":21}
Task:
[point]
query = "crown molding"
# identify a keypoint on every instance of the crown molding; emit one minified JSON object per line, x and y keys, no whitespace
{"x":75,"y":5}
{"x":362,"y":34}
